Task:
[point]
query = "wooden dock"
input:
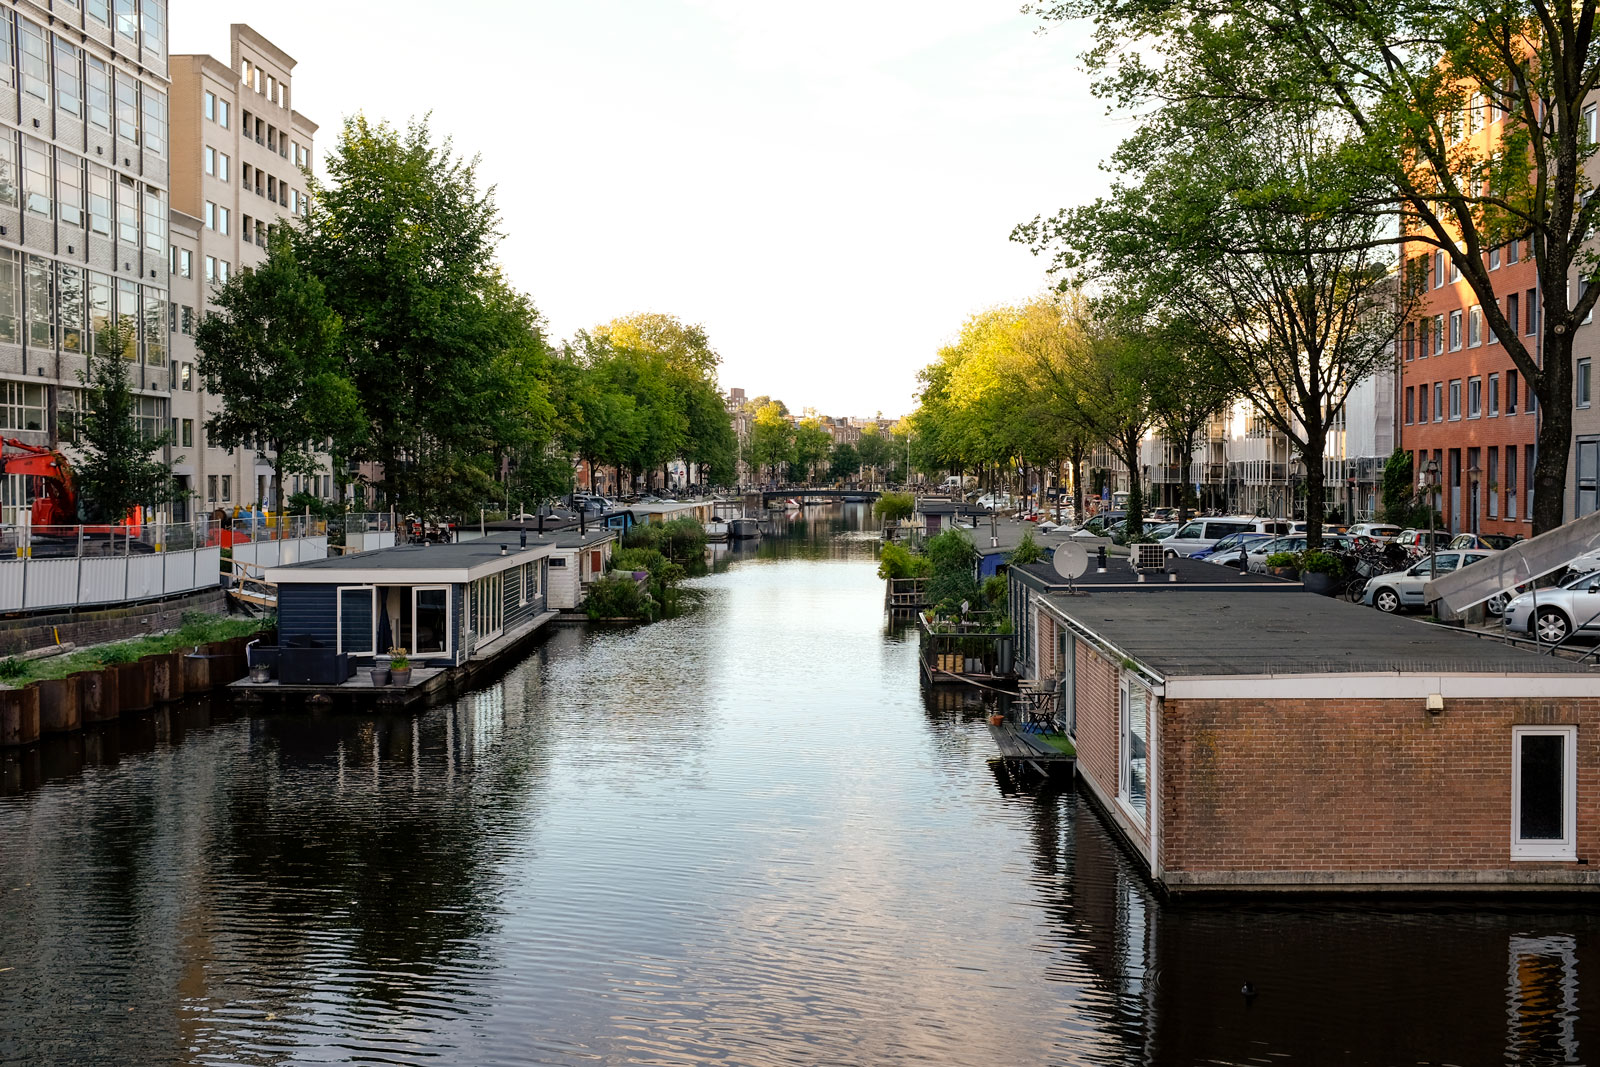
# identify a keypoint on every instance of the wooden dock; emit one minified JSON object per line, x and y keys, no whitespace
{"x":427,"y":685}
{"x":1044,"y":752}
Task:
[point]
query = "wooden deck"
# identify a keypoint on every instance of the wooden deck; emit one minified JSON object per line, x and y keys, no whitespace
{"x":427,"y":684}
{"x":1046,"y":754}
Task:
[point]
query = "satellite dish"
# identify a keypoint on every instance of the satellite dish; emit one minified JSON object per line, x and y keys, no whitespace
{"x":1071,"y":560}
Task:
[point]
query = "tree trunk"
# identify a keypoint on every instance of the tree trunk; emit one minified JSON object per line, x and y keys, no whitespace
{"x":1555,"y":432}
{"x":1185,"y":469}
{"x":277,"y":477}
{"x":1077,"y":484}
{"x":1311,"y":456}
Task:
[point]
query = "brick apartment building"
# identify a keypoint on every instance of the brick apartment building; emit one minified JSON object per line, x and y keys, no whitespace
{"x":1364,"y":752}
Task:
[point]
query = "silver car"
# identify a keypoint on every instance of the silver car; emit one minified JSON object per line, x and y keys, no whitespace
{"x":1572,"y":606}
{"x":1399,"y":590}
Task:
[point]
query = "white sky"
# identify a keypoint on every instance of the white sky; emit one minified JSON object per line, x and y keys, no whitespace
{"x":828,"y":187}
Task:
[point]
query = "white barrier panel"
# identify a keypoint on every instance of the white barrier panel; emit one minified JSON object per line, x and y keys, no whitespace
{"x":50,"y":582}
{"x":145,"y":574}
{"x":104,"y":580}
{"x":33,"y":584}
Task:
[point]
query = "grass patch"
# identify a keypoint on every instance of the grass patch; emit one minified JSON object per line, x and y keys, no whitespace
{"x":197,"y":629}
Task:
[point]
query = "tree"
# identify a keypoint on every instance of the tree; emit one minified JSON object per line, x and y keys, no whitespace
{"x":116,"y":471}
{"x":771,"y":440}
{"x":844,"y":463}
{"x":403,"y":240}
{"x":812,"y":442}
{"x":873,"y":447}
{"x":1412,"y":80}
{"x":1189,"y":386}
{"x":686,"y":349}
{"x":271,"y":352}
{"x":1225,"y":235}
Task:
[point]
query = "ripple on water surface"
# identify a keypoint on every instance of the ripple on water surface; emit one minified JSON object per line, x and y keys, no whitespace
{"x":741,"y":836}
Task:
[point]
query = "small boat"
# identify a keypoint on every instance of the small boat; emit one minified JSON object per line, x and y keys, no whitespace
{"x":743,"y":529}
{"x":794,"y":505}
{"x":717,"y":530}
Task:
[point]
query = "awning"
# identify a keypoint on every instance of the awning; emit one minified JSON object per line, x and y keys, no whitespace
{"x":1522,"y":562}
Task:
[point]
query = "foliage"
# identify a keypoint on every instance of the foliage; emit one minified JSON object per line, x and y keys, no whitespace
{"x":399,"y":659}
{"x":844,"y":462}
{"x":679,"y":539}
{"x":270,"y":351}
{"x":618,"y":596}
{"x":895,"y":562}
{"x":995,"y":589}
{"x":1027,"y":551}
{"x":812,"y":444}
{"x":1283,"y":559}
{"x":873,"y":448}
{"x":894,"y":507}
{"x":302,"y":502}
{"x":449,"y":362}
{"x":1317,"y":562}
{"x":1402,"y":504}
{"x":12,"y":668}
{"x":954,"y":559}
{"x":116,"y":471}
{"x":771,"y":440}
{"x":197,"y":629}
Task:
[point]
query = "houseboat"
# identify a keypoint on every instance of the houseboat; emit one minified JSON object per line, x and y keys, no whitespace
{"x":1241,"y":735}
{"x":578,"y":558}
{"x":455,"y":609}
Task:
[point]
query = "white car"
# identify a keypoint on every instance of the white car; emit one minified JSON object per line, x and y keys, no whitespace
{"x":1200,"y":535}
{"x":1380,"y":532}
{"x":1572,"y":606}
{"x":1399,"y":590}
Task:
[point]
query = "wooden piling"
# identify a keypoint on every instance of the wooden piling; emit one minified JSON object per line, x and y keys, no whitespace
{"x":19,"y":716}
{"x":59,"y":712}
{"x":97,"y":695}
{"x":196,"y":671}
{"x":166,"y":677}
{"x":133,"y":687}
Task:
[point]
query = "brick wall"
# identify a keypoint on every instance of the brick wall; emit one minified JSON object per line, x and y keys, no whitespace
{"x":106,"y":624}
{"x":1326,"y":788}
{"x":1099,"y":731}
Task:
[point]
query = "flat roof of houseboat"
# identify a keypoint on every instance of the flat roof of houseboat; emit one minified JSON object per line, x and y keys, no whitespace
{"x":459,"y":561}
{"x":1206,"y":632}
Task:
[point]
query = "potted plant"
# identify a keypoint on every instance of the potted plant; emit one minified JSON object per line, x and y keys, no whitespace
{"x":399,"y":667}
{"x":1320,"y":571}
{"x":1284,"y":565}
{"x":379,"y":673}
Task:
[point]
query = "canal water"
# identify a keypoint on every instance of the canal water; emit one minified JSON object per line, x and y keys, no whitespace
{"x":742,"y":836}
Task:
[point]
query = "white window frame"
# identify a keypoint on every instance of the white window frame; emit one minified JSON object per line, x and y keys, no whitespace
{"x":449,"y":620}
{"x":338,"y":617}
{"x":1567,"y":847}
{"x":522,"y":585}
{"x":1125,"y":748}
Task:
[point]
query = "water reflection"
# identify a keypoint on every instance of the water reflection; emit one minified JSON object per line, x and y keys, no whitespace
{"x":744,"y":835}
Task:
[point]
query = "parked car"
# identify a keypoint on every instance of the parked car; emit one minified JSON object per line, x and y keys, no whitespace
{"x":1418,"y":539}
{"x":1381,"y":532}
{"x":1569,"y":607}
{"x":1200,"y":535}
{"x":1256,"y":552}
{"x":1497,"y":542}
{"x":1226,"y":550}
{"x":1399,"y":590}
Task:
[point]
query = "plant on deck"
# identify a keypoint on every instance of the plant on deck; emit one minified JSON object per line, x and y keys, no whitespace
{"x":679,"y":539}
{"x":1026,"y":552}
{"x":895,"y":562}
{"x":892,"y":507}
{"x":618,"y":596}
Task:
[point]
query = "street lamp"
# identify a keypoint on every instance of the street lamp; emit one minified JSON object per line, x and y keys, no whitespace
{"x":1431,"y":475}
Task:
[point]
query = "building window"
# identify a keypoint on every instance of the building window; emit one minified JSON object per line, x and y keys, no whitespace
{"x":1494,"y":395}
{"x":1494,"y":259}
{"x":1438,"y":401}
{"x":211,"y":488}
{"x":1474,"y":397}
{"x":22,"y":406}
{"x":1411,"y":341}
{"x":155,"y":120}
{"x":1410,"y":403}
{"x":1511,"y":392}
{"x":1455,"y":270}
{"x":99,"y":200}
{"x":1589,"y":125}
{"x":1494,"y":482}
{"x":222,"y":271}
{"x":1438,"y":269}
{"x":222,"y":220}
{"x":1511,"y":481}
{"x":1422,"y":403}
{"x":1544,"y":794}
{"x":222,"y":167}
{"x":1493,"y":337}
{"x":127,"y":212}
{"x":1422,"y":337}
{"x":185,"y":263}
{"x":210,"y":215}
{"x":227,"y":488}
{"x":40,"y":306}
{"x":431,"y":614}
{"x":1455,"y":331}
{"x":69,"y":188}
{"x":69,"y":308}
{"x":1511,"y":312}
{"x":186,"y":320}
{"x":34,"y":55}
{"x":1511,"y":251}
{"x":1455,"y":399}
{"x":69,"y":78}
{"x":1582,"y":382}
{"x":1475,"y":327}
{"x":187,"y":441}
{"x":36,"y":177}
{"x":1530,"y":311}
{"x":186,"y":377}
{"x":127,"y":21}
{"x":98,"y":93}
{"x":1438,"y":334}
{"x":488,"y":607}
{"x":211,"y":268}
{"x":211,"y":160}
{"x":127,"y":98}
{"x":222,"y":113}
{"x":210,"y":106}
{"x":1133,"y":786}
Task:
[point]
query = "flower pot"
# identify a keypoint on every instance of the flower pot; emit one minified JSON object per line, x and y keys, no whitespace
{"x":400,"y":676}
{"x":1320,"y":583}
{"x":379,"y":675}
{"x":260,"y":674}
{"x":1290,"y":573}
{"x":997,"y":720}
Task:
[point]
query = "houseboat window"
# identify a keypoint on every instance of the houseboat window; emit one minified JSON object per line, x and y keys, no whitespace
{"x":1544,"y":796}
{"x":557,"y":561}
{"x":522,"y":581}
{"x":1134,"y":751}
{"x":356,"y":618}
{"x":430,"y":615}
{"x":1069,"y":681}
{"x":487,"y":606}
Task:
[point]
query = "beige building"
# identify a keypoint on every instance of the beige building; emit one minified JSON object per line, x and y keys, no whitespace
{"x":1583,"y":466}
{"x":83,"y":210}
{"x":239,"y":162}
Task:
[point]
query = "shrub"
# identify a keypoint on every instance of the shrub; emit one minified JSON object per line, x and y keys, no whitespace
{"x":1321,"y":563}
{"x":995,"y":588}
{"x":12,"y":668}
{"x":619,"y":597}
{"x":895,"y":561}
{"x":892,"y":507}
{"x":1027,"y":551}
{"x":955,"y":567}
{"x":1283,"y":559}
{"x":681,"y":538}
{"x":115,"y":654}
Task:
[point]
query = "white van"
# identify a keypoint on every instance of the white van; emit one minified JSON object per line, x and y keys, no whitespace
{"x":1198,"y":535}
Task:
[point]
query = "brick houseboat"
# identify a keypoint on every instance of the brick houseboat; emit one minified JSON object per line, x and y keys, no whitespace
{"x":1241,"y":740}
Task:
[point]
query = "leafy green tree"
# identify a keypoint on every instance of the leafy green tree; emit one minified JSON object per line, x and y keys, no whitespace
{"x":844,"y":462}
{"x":955,"y":568}
{"x":685,"y":348}
{"x":873,"y":447}
{"x":403,"y":241}
{"x":271,"y":352}
{"x":117,"y":469}
{"x":812,"y":443}
{"x":771,"y":440}
{"x":1408,"y":83}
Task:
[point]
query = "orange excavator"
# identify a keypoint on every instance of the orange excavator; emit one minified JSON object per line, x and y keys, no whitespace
{"x":57,"y":511}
